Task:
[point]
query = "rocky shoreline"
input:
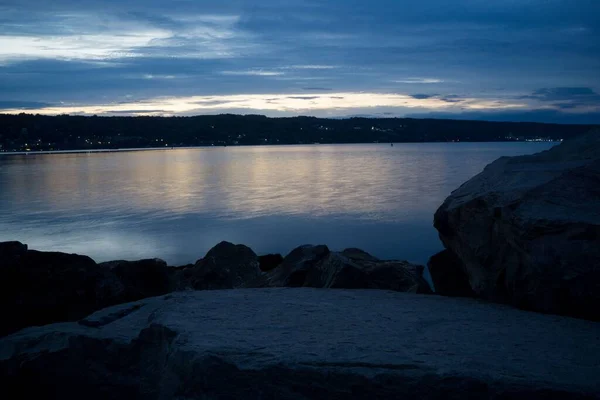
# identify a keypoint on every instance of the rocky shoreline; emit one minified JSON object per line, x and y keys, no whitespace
{"x":525,"y":232}
{"x":45,"y":287}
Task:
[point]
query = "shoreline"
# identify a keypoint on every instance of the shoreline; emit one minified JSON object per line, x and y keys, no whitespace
{"x":134,"y":149}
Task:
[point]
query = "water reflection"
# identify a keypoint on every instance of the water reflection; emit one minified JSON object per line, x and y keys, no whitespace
{"x":175,"y":204}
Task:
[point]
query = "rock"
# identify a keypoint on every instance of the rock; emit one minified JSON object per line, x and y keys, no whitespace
{"x":358,"y":254}
{"x":144,"y":278}
{"x":400,"y":276}
{"x":225,"y":266}
{"x":269,"y":262}
{"x":292,"y":271}
{"x":317,"y":267}
{"x":39,"y":288}
{"x":305,"y":343}
{"x":448,"y":275}
{"x":527,"y":229}
{"x":336,"y":271}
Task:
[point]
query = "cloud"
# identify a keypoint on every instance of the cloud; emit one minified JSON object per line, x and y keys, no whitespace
{"x":303,"y":97}
{"x":253,"y":73}
{"x":572,"y":99}
{"x":419,"y":80}
{"x":142,"y":111}
{"x":311,"y":67}
{"x":296,"y":103}
{"x":102,"y":52}
{"x":564,"y":93}
{"x":23,"y":105}
{"x":451,"y":98}
{"x":422,"y":96}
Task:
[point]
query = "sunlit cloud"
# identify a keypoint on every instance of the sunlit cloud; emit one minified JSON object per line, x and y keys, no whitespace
{"x":77,"y":47}
{"x":311,"y":66}
{"x":299,"y":103}
{"x":419,"y":80}
{"x":258,"y":72}
{"x":90,"y":37}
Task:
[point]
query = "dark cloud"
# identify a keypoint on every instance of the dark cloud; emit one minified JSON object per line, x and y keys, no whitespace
{"x":22,"y":105}
{"x":451,"y":98}
{"x":566,"y":98}
{"x":317,"y":89}
{"x":303,"y":97}
{"x":422,"y":96}
{"x":564,"y":93}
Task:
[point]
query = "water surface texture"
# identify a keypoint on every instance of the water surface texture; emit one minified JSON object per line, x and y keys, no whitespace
{"x":176,"y":204}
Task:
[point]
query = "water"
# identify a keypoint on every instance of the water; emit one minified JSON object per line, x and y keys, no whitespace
{"x":176,"y":204}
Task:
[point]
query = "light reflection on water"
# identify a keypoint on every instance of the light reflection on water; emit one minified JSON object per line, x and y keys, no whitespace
{"x":176,"y":204}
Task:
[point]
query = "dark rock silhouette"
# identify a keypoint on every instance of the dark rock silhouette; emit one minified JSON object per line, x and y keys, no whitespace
{"x":269,"y":262}
{"x":225,"y":266}
{"x":38,"y":288}
{"x":144,"y":278}
{"x":296,"y":265}
{"x":448,"y":275}
{"x":527,"y":229}
{"x":316,"y":266}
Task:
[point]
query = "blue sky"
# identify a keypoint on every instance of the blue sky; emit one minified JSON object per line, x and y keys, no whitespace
{"x":533,"y":60}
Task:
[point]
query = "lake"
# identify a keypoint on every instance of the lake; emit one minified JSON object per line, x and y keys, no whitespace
{"x":176,"y":204}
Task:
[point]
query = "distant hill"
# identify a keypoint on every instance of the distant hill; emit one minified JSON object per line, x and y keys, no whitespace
{"x":36,"y":132}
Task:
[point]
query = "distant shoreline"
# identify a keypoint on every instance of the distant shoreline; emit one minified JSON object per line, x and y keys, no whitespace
{"x":84,"y":151}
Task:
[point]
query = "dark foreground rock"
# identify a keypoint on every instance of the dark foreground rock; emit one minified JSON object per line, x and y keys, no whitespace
{"x":225,"y":266}
{"x":269,"y":262}
{"x":448,"y":275}
{"x":38,"y":288}
{"x":316,"y":266}
{"x":304,"y":344}
{"x":527,"y":229}
{"x":141,"y":279}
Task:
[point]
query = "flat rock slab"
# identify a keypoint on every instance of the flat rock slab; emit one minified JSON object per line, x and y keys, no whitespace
{"x":307,"y":343}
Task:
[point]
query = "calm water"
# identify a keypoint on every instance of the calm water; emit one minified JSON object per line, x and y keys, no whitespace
{"x":176,"y":204}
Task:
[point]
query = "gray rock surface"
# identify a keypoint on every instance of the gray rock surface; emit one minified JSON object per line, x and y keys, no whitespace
{"x":527,"y":229}
{"x":316,"y":266}
{"x":305,"y":343}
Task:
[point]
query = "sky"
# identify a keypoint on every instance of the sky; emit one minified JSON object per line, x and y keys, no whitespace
{"x":506,"y":60}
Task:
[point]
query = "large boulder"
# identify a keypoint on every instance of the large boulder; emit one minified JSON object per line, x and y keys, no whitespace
{"x":38,"y":288}
{"x":296,"y":265}
{"x":141,"y":279}
{"x":448,"y":275}
{"x":225,"y":266}
{"x":527,"y":229}
{"x":305,"y":344}
{"x":269,"y":262}
{"x":317,"y":267}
